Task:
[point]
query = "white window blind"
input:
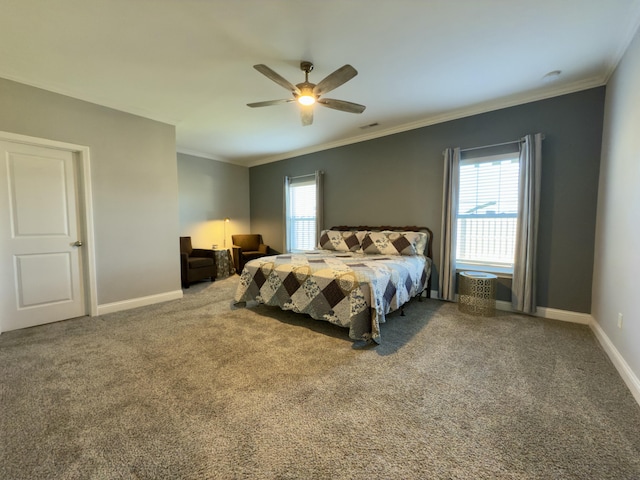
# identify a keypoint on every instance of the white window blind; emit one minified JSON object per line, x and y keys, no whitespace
{"x":488,"y":210}
{"x":301,"y":213}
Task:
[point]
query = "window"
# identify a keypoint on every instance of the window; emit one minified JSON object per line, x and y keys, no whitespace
{"x":302,"y":215}
{"x":487,"y":211}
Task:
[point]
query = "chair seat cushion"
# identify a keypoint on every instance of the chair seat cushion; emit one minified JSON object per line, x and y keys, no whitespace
{"x":199,"y":262}
{"x":253,"y":254}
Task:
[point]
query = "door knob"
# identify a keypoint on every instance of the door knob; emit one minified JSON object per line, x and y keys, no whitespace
{"x":77,"y":244}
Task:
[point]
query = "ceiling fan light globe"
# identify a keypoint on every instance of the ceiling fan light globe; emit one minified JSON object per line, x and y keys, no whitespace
{"x":306,"y":99}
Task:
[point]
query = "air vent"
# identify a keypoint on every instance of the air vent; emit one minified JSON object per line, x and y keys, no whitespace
{"x":551,"y":76}
{"x":374,"y":124}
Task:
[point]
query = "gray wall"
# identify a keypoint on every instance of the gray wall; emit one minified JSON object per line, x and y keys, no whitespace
{"x":617,"y":261}
{"x":397,"y":180}
{"x":210,"y":191}
{"x":134,"y":181}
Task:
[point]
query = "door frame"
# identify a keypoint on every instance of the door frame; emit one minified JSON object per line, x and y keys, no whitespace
{"x":82,"y":167}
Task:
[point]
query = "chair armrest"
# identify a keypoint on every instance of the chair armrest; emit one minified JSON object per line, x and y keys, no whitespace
{"x":263,"y":248}
{"x":202,"y":252}
{"x":184,"y":266}
{"x":237,"y":252}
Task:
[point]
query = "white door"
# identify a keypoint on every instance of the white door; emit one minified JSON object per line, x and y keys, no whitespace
{"x":41,"y":271}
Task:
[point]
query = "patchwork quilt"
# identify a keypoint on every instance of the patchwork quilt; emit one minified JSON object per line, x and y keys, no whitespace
{"x":351,"y":289}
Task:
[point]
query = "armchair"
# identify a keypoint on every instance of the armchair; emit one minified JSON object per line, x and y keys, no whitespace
{"x":247,"y":247}
{"x":195,"y":263}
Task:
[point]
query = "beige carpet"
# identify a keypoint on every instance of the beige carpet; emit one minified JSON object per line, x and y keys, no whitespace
{"x":198,"y":389}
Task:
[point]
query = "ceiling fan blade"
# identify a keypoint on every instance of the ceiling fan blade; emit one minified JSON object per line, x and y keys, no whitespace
{"x":342,"y":105}
{"x":306,"y":115}
{"x":270,"y":102}
{"x":267,"y":72}
{"x":335,"y":79}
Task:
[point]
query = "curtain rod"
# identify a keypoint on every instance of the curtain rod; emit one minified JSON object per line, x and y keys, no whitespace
{"x":307,"y":175}
{"x":489,"y":146}
{"x":495,"y":145}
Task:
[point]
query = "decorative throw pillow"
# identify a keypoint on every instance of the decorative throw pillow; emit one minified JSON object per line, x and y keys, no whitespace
{"x":388,"y":243}
{"x":339,"y":241}
{"x":418,"y":239}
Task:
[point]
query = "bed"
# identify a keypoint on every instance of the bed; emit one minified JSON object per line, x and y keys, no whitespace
{"x":355,"y":277}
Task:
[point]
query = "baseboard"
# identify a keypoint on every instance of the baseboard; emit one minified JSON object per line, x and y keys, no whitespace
{"x":139,"y":302}
{"x":629,"y":378}
{"x":564,"y":315}
{"x":542,"y":312}
{"x":551,"y":313}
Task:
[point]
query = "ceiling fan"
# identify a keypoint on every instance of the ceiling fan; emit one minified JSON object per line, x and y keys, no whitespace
{"x":307,"y":94}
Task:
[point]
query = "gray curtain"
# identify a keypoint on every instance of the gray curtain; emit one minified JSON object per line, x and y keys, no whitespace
{"x":523,"y":287}
{"x":285,"y":209}
{"x":447,"y":277}
{"x":319,"y":204}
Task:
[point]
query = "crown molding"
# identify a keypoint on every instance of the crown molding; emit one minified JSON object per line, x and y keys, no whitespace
{"x":477,"y":109}
{"x":209,"y":156}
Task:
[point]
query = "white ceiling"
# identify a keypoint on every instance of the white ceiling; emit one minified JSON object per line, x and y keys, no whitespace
{"x":189,"y":62}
